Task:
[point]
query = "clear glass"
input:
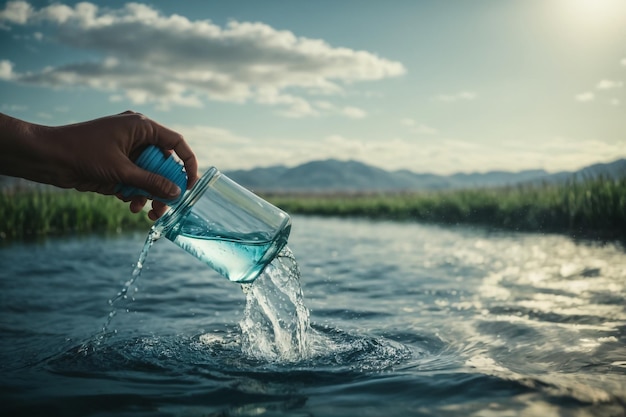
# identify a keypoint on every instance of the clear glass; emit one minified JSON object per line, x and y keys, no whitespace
{"x":228,"y":227}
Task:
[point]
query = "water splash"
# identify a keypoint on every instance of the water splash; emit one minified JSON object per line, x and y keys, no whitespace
{"x":275,"y":326}
{"x":276,"y":329}
{"x":153,"y":235}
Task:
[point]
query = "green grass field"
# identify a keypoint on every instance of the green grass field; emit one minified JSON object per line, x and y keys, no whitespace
{"x":594,"y":208}
{"x":46,"y":212}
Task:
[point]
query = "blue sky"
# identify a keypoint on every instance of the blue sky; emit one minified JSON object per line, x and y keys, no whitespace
{"x":430,"y":86}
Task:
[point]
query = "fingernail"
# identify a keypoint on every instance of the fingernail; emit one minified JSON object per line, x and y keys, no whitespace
{"x":174,"y":191}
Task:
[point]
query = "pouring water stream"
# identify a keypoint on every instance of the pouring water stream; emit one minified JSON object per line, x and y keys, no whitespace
{"x":275,"y":325}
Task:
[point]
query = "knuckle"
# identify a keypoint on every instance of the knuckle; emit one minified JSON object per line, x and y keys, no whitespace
{"x":178,"y":138}
{"x":133,"y":113}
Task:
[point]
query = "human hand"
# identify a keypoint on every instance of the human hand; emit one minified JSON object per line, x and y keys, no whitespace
{"x":97,"y":155}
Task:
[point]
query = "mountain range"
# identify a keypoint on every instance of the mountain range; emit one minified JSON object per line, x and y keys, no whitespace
{"x":352,"y":176}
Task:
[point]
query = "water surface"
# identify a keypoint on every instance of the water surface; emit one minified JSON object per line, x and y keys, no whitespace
{"x":406,"y":319}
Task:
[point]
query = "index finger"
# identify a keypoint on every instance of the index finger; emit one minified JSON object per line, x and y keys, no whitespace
{"x":169,"y":139}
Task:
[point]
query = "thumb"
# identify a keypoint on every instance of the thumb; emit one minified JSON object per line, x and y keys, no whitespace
{"x":155,"y":184}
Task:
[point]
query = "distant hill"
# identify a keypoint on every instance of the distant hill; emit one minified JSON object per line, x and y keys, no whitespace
{"x":332,"y":176}
{"x":616,"y":169}
{"x":352,"y":176}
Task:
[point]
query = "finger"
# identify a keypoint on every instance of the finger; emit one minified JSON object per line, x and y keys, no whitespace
{"x":121,"y":197}
{"x":137,"y":203}
{"x":153,"y":183}
{"x":158,"y":210}
{"x":169,"y":139}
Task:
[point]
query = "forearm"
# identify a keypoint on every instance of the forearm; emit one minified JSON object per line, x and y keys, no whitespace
{"x":26,"y":150}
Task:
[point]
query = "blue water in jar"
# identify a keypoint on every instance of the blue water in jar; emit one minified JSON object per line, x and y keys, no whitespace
{"x":240,"y":257}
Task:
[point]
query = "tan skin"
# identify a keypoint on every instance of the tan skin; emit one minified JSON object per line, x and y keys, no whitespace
{"x":94,"y":156}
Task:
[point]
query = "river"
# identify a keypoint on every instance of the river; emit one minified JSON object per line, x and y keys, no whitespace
{"x":407,"y":320}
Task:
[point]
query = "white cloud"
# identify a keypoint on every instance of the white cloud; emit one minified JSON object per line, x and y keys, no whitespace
{"x":420,"y":129}
{"x":585,"y":97}
{"x":221,"y":147}
{"x":326,"y":107}
{"x":615,"y":102}
{"x":425,"y":130}
{"x":16,"y":12}
{"x":460,"y":96}
{"x":609,"y":84}
{"x":293,"y":106}
{"x":174,"y":61}
{"x":354,"y":112}
{"x":228,"y":150}
{"x":565,"y":153}
{"x":623,"y":62}
{"x":450,"y":155}
{"x":6,"y":70}
{"x":13,"y":107}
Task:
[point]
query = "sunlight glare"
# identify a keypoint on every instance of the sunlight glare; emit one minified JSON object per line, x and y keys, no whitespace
{"x":585,"y":24}
{"x":596,"y":13}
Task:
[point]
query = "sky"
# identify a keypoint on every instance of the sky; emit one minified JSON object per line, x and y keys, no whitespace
{"x":426,"y":85}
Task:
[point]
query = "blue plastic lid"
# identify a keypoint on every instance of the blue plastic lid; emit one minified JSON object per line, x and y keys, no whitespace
{"x":153,"y":159}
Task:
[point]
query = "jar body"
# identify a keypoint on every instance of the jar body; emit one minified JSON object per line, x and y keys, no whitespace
{"x":226,"y":226}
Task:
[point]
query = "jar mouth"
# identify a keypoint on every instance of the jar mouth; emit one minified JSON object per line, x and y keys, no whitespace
{"x":170,"y":218}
